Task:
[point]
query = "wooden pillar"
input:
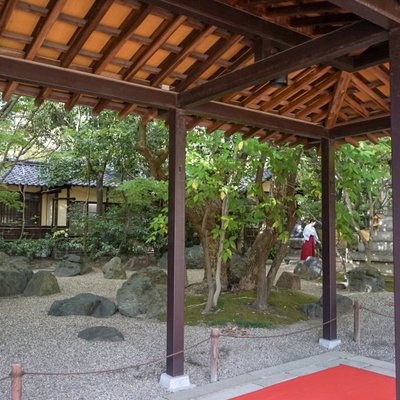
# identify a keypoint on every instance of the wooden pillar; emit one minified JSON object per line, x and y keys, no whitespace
{"x":328,"y":239}
{"x":176,"y":242}
{"x":394,"y":43}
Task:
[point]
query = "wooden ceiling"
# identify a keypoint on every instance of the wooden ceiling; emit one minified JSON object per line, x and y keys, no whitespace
{"x":215,"y":59}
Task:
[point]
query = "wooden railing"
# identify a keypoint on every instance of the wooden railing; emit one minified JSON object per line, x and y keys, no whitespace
{"x":8,"y":233}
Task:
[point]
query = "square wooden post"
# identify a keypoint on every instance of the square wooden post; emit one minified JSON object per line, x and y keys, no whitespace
{"x":328,"y":243}
{"x":394,"y":43}
{"x":176,"y":242}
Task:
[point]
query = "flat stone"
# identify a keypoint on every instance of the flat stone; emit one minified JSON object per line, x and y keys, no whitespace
{"x":101,"y":334}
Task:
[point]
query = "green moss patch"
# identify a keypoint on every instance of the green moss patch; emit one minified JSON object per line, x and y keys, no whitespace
{"x":389,"y":283}
{"x":284,"y":307}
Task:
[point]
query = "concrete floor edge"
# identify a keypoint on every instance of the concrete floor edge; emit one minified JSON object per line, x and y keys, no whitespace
{"x":249,"y":382}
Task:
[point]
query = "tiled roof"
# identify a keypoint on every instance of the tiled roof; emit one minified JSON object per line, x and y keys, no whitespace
{"x":32,"y":173}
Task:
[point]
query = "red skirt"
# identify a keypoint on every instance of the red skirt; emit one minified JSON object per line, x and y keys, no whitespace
{"x":308,"y":249}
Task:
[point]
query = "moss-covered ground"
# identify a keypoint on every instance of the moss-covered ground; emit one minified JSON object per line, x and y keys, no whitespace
{"x":284,"y":307}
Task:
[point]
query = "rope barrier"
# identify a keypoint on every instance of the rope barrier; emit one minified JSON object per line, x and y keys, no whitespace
{"x":281,"y":335}
{"x":120,"y":369}
{"x":5,"y":378}
{"x":376,"y":312}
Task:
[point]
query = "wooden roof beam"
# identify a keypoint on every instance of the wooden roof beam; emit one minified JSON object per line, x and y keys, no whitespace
{"x":384,"y":13}
{"x":324,"y":20}
{"x":83,"y":83}
{"x":249,"y":117}
{"x":215,"y":13}
{"x":360,"y":127}
{"x":77,"y":82}
{"x":319,"y":7}
{"x":338,"y":43}
{"x":373,"y":56}
{"x":234,"y":20}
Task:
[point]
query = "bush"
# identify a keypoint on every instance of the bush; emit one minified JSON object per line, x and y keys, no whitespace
{"x":28,"y":247}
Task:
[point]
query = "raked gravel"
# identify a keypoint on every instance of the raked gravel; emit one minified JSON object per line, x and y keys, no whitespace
{"x":45,"y":343}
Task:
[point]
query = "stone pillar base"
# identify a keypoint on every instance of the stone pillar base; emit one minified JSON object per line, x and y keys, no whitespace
{"x":175,"y":383}
{"x":329,"y":344}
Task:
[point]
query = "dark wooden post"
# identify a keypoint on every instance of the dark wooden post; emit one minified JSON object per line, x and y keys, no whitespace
{"x":394,"y":40}
{"x":357,"y":326}
{"x":176,"y":242}
{"x":328,"y":239}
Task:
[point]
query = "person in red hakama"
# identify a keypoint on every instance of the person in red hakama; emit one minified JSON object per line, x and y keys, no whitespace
{"x":310,"y":237}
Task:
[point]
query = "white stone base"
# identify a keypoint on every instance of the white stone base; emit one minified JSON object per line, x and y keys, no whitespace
{"x":329,"y":344}
{"x":175,"y":383}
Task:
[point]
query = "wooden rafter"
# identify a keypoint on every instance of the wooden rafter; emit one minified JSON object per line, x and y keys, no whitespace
{"x":6,"y":12}
{"x":161,"y":37}
{"x":155,"y":46}
{"x":337,"y":99}
{"x":93,"y":18}
{"x":214,"y":53}
{"x":358,"y":35}
{"x":327,"y":82}
{"x":302,"y":83}
{"x":42,"y":30}
{"x":364,"y":88}
{"x":172,"y":61}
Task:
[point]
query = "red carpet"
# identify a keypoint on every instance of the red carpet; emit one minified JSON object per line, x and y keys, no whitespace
{"x":338,"y":383}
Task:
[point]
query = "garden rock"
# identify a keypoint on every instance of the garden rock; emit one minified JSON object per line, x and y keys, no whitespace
{"x":114,"y":269}
{"x":15,"y":273}
{"x":71,"y":265}
{"x":43,"y":283}
{"x":366,"y":279}
{"x":237,"y":267}
{"x":288,"y":280}
{"x":309,"y":269}
{"x":343,"y":305}
{"x":194,"y":258}
{"x":144,"y":294}
{"x":139,"y":262}
{"x":83,"y":304}
{"x":101,"y":334}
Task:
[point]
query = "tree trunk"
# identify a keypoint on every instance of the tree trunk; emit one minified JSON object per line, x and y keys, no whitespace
{"x":261,"y":258}
{"x":99,"y":193}
{"x":262,"y":245}
{"x":283,"y":246}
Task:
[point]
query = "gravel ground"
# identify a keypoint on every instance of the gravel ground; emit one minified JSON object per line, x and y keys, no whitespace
{"x":50,"y":344}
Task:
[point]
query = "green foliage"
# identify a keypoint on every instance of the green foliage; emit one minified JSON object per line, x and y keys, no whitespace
{"x":28,"y":247}
{"x":27,"y":131}
{"x":144,"y":193}
{"x":285,"y":307}
{"x":363,"y":172}
{"x":10,"y":199}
